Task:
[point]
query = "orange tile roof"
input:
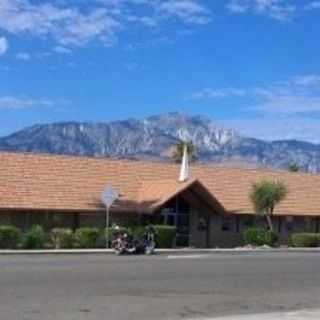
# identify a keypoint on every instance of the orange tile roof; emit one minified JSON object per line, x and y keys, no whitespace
{"x":46,"y":182}
{"x":154,"y":194}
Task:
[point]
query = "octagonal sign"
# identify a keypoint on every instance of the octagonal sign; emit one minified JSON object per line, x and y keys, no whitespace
{"x":109,"y":196}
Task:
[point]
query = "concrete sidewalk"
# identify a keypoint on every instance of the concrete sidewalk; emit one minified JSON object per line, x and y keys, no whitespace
{"x":294,"y":315}
{"x":191,"y":251}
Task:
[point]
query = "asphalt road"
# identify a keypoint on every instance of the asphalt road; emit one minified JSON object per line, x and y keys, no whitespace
{"x":99,"y":287}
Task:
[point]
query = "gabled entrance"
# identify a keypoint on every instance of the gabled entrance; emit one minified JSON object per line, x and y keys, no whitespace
{"x":185,"y":205}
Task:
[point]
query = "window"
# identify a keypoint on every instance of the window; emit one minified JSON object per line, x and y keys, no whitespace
{"x":248,"y":222}
{"x":308,"y":225}
{"x":289,"y":223}
{"x":168,"y":216}
{"x":226,"y":224}
{"x":238,"y":224}
{"x":171,"y":220}
{"x":183,"y":206}
{"x":202,"y":223}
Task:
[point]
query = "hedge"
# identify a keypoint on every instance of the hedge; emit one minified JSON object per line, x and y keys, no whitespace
{"x":10,"y":237}
{"x":259,"y":237}
{"x":34,"y":238}
{"x":164,"y":235}
{"x":306,"y":240}
{"x":137,"y":232}
{"x":87,"y":237}
{"x":62,"y":238}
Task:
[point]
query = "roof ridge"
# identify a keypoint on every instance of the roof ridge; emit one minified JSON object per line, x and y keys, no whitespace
{"x":149,"y":162}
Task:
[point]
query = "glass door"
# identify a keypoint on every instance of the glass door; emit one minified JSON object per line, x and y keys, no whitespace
{"x":177,"y":213}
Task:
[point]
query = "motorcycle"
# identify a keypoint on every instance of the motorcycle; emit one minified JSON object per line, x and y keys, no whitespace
{"x":124,"y":244}
{"x":149,"y":242}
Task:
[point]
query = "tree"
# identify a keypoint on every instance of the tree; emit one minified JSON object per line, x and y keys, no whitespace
{"x":179,"y":148}
{"x":293,"y":167}
{"x":265,"y":195}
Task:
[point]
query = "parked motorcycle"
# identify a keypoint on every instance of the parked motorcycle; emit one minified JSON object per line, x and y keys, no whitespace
{"x":124,"y":244}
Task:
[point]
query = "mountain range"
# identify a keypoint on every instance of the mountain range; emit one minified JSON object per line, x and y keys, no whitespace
{"x":154,"y":137}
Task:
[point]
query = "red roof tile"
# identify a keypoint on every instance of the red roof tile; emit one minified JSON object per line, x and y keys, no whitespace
{"x":45,"y":182}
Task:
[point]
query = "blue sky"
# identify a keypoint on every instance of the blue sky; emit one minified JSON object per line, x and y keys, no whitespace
{"x":248,"y":64}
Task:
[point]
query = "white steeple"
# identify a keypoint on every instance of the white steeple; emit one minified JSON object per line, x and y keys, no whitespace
{"x":184,"y":171}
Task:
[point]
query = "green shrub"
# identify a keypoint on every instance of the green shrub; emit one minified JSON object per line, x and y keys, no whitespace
{"x":132,"y":223}
{"x":10,"y":237}
{"x":101,"y":242}
{"x":271,"y":238}
{"x":307,"y":240}
{"x":34,"y":238}
{"x":87,"y":237}
{"x":62,"y":238}
{"x":259,"y":237}
{"x":137,"y":232}
{"x":254,"y":236}
{"x":164,"y":235}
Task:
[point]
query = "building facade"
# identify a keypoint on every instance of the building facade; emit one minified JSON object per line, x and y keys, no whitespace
{"x":210,"y":208}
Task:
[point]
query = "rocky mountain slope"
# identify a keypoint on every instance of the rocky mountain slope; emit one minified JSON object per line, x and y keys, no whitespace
{"x":153,"y":138}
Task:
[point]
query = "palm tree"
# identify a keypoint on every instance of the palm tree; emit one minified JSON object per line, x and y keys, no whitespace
{"x":293,"y":167}
{"x":265,"y":195}
{"x":179,"y":148}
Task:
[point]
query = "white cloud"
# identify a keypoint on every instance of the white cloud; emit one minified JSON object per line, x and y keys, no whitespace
{"x":144,"y":20}
{"x":313,"y":5}
{"x":300,"y":94}
{"x":307,"y":80}
{"x":4,"y":46}
{"x":281,"y":10}
{"x":238,"y":7}
{"x":20,"y":103}
{"x":69,"y":23}
{"x":62,"y":50}
{"x":188,"y":10}
{"x":208,"y":93}
{"x":67,"y":26}
{"x":278,"y":128}
{"x":293,"y":103}
{"x":23,"y":56}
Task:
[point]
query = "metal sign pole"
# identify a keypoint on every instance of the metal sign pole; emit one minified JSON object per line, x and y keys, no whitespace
{"x":107,"y":227}
{"x":108,"y":197}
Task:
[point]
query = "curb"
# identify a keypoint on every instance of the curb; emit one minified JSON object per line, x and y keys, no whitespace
{"x":237,"y":251}
{"x":163,"y":251}
{"x":56,"y":251}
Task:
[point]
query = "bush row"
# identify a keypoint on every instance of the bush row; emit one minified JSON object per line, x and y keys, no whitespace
{"x":63,"y":238}
{"x":259,"y":237}
{"x":305,"y":240}
{"x":10,"y":237}
{"x":59,"y":238}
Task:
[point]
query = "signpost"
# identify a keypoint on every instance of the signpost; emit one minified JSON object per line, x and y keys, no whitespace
{"x":108,"y":197}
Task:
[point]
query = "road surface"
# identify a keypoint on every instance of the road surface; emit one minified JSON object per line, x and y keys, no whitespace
{"x":95,"y":287}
